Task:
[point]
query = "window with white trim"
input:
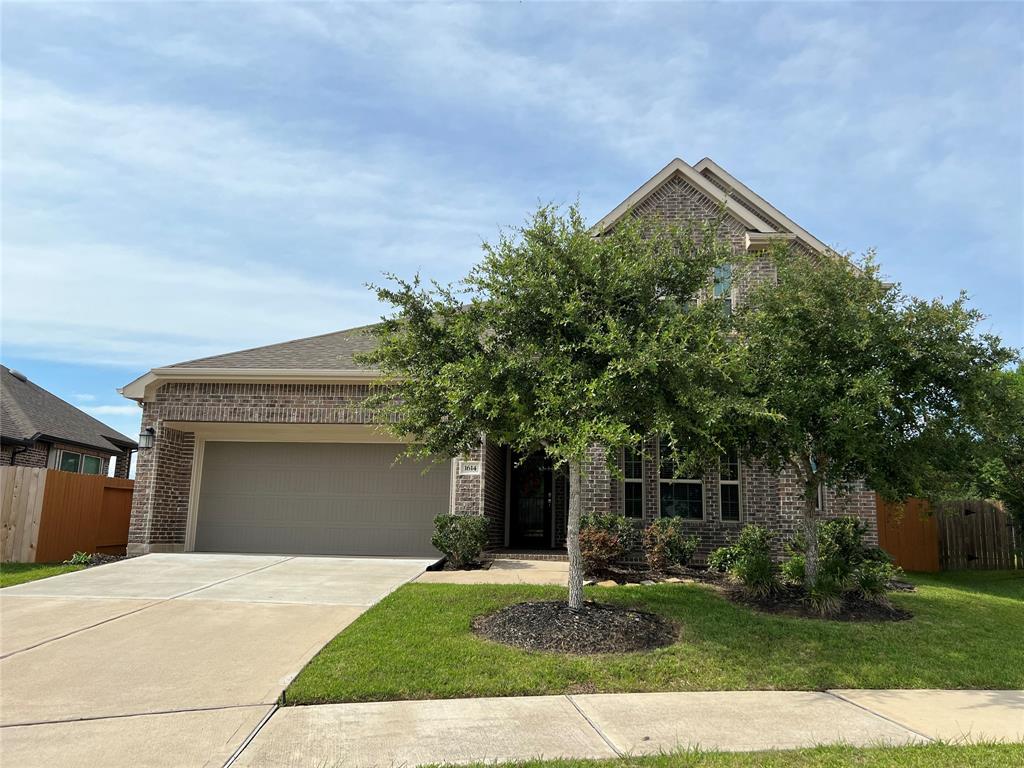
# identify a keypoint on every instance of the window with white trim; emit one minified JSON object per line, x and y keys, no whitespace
{"x":678,"y":496}
{"x":723,"y":286}
{"x":820,"y":501}
{"x":729,"y":487}
{"x":72,"y":461}
{"x":632,"y":483}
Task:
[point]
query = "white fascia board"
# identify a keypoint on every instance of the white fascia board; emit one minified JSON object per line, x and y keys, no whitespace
{"x":759,"y":241}
{"x":142,"y":388}
{"x":678,"y":166}
{"x":755,"y":199}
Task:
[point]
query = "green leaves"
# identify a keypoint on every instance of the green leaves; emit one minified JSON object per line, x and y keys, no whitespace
{"x":869,"y":382}
{"x":563,"y":339}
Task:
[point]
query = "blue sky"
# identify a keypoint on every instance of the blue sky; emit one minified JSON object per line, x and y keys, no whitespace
{"x":182,"y":180}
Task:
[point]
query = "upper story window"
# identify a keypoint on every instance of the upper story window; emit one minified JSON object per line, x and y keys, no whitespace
{"x":729,"y":487}
{"x":632,"y":483}
{"x":678,"y":496}
{"x":723,"y":286}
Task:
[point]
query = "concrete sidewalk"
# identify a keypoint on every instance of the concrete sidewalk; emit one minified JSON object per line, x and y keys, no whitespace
{"x":412,"y":733}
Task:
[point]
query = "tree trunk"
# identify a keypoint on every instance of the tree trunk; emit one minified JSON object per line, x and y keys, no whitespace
{"x":811,"y":534}
{"x":572,"y":539}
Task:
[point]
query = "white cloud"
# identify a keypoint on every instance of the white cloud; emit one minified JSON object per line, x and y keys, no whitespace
{"x":88,"y":184}
{"x":84,"y":398}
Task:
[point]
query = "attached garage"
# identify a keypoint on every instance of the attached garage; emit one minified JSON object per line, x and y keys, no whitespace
{"x":317,"y":499}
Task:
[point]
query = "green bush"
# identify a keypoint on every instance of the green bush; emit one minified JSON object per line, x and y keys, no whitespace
{"x":846,"y":565}
{"x":873,"y":577}
{"x":723,"y":559}
{"x":461,"y":538}
{"x":753,"y":565}
{"x":666,"y":544}
{"x":79,"y":558}
{"x":604,"y":539}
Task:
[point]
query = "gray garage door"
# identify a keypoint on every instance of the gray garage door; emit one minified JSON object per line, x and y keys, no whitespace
{"x":317,"y":499}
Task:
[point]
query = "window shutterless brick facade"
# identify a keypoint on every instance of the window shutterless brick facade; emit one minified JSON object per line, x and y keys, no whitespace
{"x":42,"y":455}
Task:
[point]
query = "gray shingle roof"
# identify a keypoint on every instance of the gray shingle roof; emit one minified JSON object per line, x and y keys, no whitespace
{"x":331,"y":351}
{"x":29,"y":412}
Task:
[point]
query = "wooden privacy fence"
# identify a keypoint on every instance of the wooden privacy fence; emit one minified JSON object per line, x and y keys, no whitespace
{"x":48,"y":515}
{"x":955,"y":535}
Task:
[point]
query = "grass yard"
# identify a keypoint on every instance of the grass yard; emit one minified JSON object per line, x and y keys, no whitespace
{"x":930,"y":756}
{"x":19,"y":573}
{"x":417,"y":644}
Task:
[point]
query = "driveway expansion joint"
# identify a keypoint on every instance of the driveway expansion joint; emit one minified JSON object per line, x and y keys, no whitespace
{"x":159,"y":601}
{"x":252,"y":735}
{"x":123,"y":715}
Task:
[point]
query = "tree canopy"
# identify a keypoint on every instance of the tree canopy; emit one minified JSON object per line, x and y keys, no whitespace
{"x":869,"y":383}
{"x":562,"y":341}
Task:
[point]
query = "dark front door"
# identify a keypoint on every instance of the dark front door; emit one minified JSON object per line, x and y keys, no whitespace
{"x":530,"y":515}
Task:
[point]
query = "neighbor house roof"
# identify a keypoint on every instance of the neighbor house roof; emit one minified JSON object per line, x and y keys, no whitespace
{"x":29,"y":413}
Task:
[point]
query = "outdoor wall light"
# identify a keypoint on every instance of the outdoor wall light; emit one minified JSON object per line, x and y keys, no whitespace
{"x":146,"y":437}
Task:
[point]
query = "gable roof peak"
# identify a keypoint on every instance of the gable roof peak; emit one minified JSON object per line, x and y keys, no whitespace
{"x":678,"y":167}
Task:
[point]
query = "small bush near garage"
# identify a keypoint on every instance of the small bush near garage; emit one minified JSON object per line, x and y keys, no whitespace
{"x":462,"y":538}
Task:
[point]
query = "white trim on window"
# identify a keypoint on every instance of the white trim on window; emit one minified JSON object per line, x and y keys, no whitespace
{"x":698,"y":481}
{"x":821,"y":500}
{"x":639,"y":481}
{"x":738,"y":482}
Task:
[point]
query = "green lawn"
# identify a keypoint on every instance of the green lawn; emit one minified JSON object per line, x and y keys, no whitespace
{"x":930,"y":756}
{"x":417,"y":644}
{"x":19,"y":573}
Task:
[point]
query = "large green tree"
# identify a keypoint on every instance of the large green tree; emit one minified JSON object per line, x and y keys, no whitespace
{"x":996,"y":470}
{"x":869,"y":384}
{"x":568,"y":343}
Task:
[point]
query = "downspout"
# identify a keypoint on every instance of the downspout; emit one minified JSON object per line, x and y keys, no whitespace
{"x":16,"y":450}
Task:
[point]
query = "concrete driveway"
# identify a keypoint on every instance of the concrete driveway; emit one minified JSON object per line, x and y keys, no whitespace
{"x":168,"y":660}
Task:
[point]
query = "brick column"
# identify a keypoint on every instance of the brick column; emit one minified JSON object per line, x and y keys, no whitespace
{"x":163,"y":477}
{"x":122,"y":463}
{"x":596,"y":498}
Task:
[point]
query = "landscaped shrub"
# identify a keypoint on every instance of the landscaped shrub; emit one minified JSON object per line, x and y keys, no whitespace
{"x":723,"y":559}
{"x":461,"y":538}
{"x":79,"y":558}
{"x":666,"y":544}
{"x":873,"y":578}
{"x":753,"y":565}
{"x":846,"y":565}
{"x":604,"y":539}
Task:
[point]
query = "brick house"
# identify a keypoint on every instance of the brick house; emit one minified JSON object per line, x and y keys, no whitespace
{"x":38,"y":429}
{"x":271,"y":450}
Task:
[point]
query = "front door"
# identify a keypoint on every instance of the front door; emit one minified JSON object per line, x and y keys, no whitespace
{"x":530,"y":515}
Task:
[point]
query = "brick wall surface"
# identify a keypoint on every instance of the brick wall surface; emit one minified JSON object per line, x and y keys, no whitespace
{"x":35,"y":455}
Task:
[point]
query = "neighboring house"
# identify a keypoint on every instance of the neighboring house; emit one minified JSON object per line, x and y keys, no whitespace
{"x":271,"y":449}
{"x":38,"y":429}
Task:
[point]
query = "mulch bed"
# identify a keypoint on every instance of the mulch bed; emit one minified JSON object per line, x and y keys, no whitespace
{"x":790,"y":601}
{"x":479,"y":565}
{"x":598,"y":628}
